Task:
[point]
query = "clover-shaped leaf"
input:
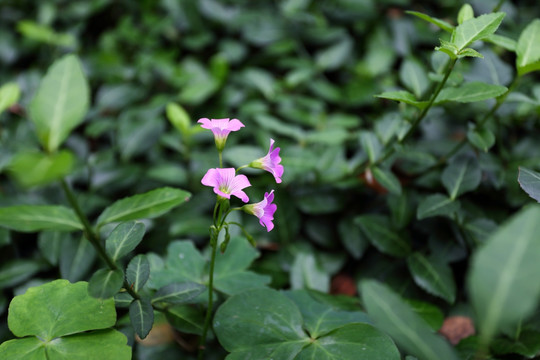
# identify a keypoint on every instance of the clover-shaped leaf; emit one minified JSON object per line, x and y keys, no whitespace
{"x":59,"y":320}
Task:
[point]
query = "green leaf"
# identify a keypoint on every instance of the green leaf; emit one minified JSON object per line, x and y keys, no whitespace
{"x":528,"y":49}
{"x":448,"y":48}
{"x":413,"y":75}
{"x":50,"y":245}
{"x":9,"y":95}
{"x":482,"y":139}
{"x":499,"y":280}
{"x":186,"y":318}
{"x":178,"y":293}
{"x":438,"y":22}
{"x":138,"y":272}
{"x":433,"y":276}
{"x":95,"y":345}
{"x":69,"y":310}
{"x":393,"y":316}
{"x":179,"y":118}
{"x":379,"y":232}
{"x":468,"y":52}
{"x":45,"y":34}
{"x":403,"y":96}
{"x":387,"y":179}
{"x":36,"y":168}
{"x":260,"y":324}
{"x":76,"y":258}
{"x":465,"y":13}
{"x":124,"y":238}
{"x":60,"y":103}
{"x":371,"y":145}
{"x":436,"y":205}
{"x":527,"y":345}
{"x":460,"y":177}
{"x":334,"y":56}
{"x":471,"y":92}
{"x":321,"y":319}
{"x":32,"y":218}
{"x":476,"y":29}
{"x":529,"y":181}
{"x":430,"y":313}
{"x":16,"y":271}
{"x":105,"y":283}
{"x":306,"y":273}
{"x":502,"y":41}
{"x":141,"y":315}
{"x":148,"y":205}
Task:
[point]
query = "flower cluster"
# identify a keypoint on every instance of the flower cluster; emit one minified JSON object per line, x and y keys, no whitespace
{"x":226,"y":182}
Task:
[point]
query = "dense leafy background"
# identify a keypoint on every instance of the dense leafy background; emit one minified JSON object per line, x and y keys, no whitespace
{"x":304,"y":73}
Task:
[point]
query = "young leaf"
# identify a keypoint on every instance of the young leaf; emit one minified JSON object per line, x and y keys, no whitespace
{"x":500,"y":279}
{"x":9,"y":95}
{"x":32,"y":218}
{"x":387,"y":179}
{"x":433,"y":276}
{"x":178,"y":293}
{"x":529,"y":181}
{"x":138,"y":272}
{"x":465,"y":13}
{"x":476,"y":29}
{"x":124,"y":238}
{"x":440,"y":23}
{"x":403,"y":96}
{"x":460,"y":177}
{"x":60,"y":103}
{"x":36,"y":168}
{"x":482,"y":139}
{"x":528,"y":49}
{"x":379,"y":232}
{"x":471,"y":92}
{"x":141,"y":315}
{"x":148,"y":205}
{"x":436,"y":205}
{"x":393,"y":316}
{"x":105,"y":283}
{"x":179,"y":118}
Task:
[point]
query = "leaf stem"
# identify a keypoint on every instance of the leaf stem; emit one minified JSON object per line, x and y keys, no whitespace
{"x":91,"y":235}
{"x":208,"y":318}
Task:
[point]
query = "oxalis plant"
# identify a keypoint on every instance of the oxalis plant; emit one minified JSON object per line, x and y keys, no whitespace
{"x":213,"y":294}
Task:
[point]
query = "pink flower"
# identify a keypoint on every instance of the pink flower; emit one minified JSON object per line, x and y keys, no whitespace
{"x":221,"y":129}
{"x":227,"y":183}
{"x":270,"y":162}
{"x":264,"y":210}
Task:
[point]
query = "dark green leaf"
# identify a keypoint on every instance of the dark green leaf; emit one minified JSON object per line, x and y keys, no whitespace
{"x":403,"y":96}
{"x":76,"y":258}
{"x":50,"y":244}
{"x":32,"y":218}
{"x":148,"y":205}
{"x":141,"y":315}
{"x":371,"y":145}
{"x":413,"y":75}
{"x":379,"y":232}
{"x":527,"y":345}
{"x":387,"y":179}
{"x":392,"y":315}
{"x":105,"y":283}
{"x":178,"y":293}
{"x":124,"y":238}
{"x":499,"y":279}
{"x":528,"y":49}
{"x":16,"y":271}
{"x":60,"y":103}
{"x":434,"y":276}
{"x":460,"y":177}
{"x":529,"y":181}
{"x":138,"y":272}
{"x":471,"y":92}
{"x":482,"y":139}
{"x":186,"y":318}
{"x":306,"y":273}
{"x":436,"y":205}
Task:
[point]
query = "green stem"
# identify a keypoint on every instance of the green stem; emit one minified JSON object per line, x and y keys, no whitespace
{"x":208,"y":318}
{"x":91,"y":235}
{"x":498,"y":6}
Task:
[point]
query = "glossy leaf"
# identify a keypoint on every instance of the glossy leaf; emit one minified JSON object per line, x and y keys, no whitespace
{"x":105,"y":283}
{"x":148,"y":205}
{"x":124,"y":238}
{"x":476,"y":29}
{"x":436,"y":205}
{"x":387,"y":179}
{"x":138,"y":272}
{"x":393,"y":316}
{"x":32,"y":218}
{"x":379,"y":232}
{"x":141,"y":315}
{"x":433,"y":276}
{"x":60,"y":103}
{"x":528,"y":49}
{"x":460,"y":177}
{"x":9,"y":95}
{"x":178,"y":293}
{"x":499,"y":279}
{"x":529,"y":181}
{"x":471,"y":92}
